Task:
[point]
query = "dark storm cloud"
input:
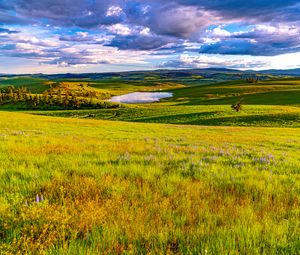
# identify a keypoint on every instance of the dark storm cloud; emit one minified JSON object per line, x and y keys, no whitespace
{"x":79,"y":37}
{"x":12,"y":18}
{"x":240,"y":8}
{"x":245,"y":47}
{"x":81,"y":13}
{"x":161,"y":15}
{"x":139,"y":42}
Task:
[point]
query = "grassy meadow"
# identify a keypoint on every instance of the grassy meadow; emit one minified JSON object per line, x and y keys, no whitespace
{"x":209,"y":115}
{"x":186,"y":175}
{"x":74,"y":186}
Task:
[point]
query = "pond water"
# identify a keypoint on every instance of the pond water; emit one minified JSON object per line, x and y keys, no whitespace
{"x":140,"y":97}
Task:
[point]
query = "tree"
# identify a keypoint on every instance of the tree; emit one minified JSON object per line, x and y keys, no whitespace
{"x":238,"y":106}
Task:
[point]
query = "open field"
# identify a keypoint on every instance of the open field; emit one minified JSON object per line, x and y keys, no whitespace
{"x":117,"y":187}
{"x":212,"y":115}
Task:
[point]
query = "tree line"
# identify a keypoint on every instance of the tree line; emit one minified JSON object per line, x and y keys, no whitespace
{"x":51,"y":100}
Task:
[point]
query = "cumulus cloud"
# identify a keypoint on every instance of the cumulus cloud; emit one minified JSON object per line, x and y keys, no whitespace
{"x":114,"y":11}
{"x":182,"y":21}
{"x":261,"y":40}
{"x":204,"y":61}
{"x":65,"y":51}
{"x":120,"y":29}
{"x":90,"y":55}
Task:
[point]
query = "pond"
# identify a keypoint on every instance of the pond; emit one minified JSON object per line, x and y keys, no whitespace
{"x":140,"y":97}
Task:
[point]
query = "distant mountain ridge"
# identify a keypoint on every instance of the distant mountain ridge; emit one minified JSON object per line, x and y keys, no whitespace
{"x":290,"y":72}
{"x":207,"y":72}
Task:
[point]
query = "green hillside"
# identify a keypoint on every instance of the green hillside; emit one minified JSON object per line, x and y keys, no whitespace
{"x":273,"y":103}
{"x":35,"y":85}
{"x":208,"y":115}
{"x":268,"y":92}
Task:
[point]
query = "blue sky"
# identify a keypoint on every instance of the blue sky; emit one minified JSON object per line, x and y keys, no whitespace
{"x":54,"y":36}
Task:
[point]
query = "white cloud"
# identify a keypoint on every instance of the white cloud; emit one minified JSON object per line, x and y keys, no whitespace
{"x":218,"y":31}
{"x":114,"y":11}
{"x":120,"y":29}
{"x":206,"y":61}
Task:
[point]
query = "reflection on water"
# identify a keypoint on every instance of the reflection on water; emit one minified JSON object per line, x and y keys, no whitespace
{"x":140,"y":97}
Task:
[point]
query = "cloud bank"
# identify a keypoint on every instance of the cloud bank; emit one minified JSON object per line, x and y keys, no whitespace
{"x":151,"y":33}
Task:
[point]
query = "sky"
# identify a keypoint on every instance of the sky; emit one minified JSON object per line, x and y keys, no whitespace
{"x":59,"y":36}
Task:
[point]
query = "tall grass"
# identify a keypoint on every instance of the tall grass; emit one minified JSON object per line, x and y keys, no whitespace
{"x":72,"y":186}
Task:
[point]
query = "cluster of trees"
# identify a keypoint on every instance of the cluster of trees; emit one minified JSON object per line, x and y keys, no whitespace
{"x":252,"y":80}
{"x":80,"y":91}
{"x":13,"y":94}
{"x":49,"y":100}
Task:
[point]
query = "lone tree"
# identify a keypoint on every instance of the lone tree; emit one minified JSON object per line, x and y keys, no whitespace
{"x":238,"y":106}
